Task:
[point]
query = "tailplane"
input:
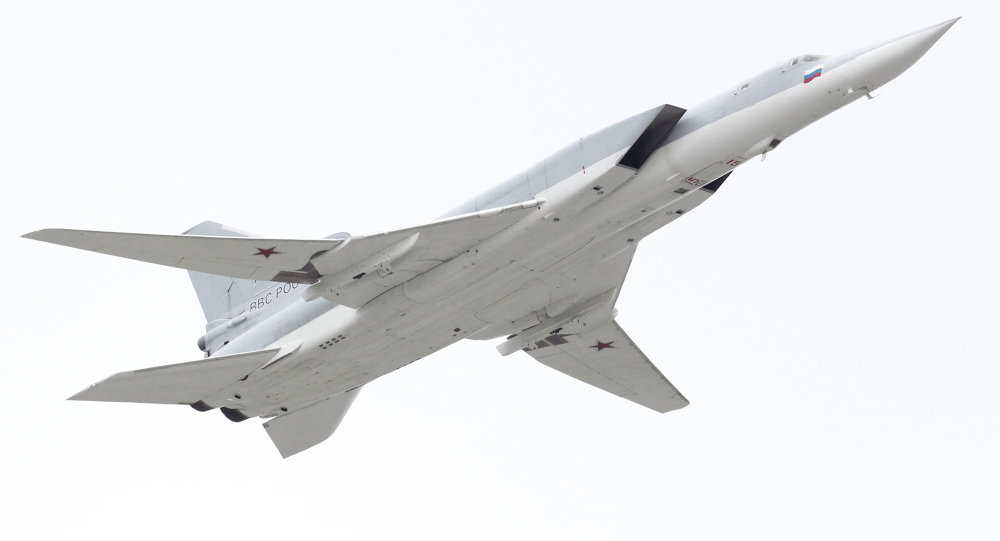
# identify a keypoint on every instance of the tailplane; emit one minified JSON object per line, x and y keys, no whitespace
{"x":301,"y":429}
{"x":196,"y":383}
{"x":184,"y":383}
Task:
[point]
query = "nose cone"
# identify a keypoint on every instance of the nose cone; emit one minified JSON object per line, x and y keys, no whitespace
{"x":888,"y":59}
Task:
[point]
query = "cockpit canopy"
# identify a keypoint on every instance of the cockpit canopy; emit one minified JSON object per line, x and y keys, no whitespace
{"x":801,"y":61}
{"x":785,"y":67}
{"x":806,"y":58}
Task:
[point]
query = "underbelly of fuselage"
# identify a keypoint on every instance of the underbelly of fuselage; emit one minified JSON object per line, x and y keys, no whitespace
{"x":346,"y":348}
{"x":512,"y":275}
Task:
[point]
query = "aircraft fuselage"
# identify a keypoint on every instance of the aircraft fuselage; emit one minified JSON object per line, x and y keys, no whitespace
{"x":505,"y":284}
{"x":540,"y":259}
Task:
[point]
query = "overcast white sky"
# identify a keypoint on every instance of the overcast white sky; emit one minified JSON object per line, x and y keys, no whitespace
{"x":832,"y":313}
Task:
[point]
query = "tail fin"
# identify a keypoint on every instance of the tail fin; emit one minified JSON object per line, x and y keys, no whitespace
{"x":220,"y":297}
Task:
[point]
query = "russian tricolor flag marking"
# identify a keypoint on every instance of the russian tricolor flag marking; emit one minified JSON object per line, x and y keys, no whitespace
{"x":812,"y":74}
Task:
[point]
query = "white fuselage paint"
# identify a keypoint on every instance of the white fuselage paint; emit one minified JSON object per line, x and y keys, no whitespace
{"x":509,"y":277}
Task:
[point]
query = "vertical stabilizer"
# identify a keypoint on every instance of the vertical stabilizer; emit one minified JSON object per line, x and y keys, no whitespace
{"x":220,"y":297}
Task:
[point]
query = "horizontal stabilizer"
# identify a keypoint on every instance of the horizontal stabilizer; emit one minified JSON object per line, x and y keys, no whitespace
{"x":301,"y":429}
{"x":608,"y":359}
{"x":184,"y":383}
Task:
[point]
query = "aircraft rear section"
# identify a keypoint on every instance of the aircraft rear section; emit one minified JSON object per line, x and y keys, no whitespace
{"x":232,"y":306}
{"x":185,"y":383}
{"x":308,"y":426}
{"x":221,"y":297}
{"x":205,"y":385}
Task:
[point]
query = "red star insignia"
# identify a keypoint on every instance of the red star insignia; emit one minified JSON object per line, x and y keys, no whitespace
{"x":603,"y":345}
{"x":266,"y":252}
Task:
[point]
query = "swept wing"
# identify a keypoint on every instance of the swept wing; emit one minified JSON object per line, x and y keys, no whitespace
{"x":607,"y":358}
{"x":361,"y":267}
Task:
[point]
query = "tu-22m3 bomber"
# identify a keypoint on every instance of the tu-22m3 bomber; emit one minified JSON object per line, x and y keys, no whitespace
{"x":296,"y":327}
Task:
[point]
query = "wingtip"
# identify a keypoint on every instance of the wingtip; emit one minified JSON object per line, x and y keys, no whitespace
{"x":52,"y":236}
{"x":35,"y":235}
{"x":676,"y":405}
{"x":82,"y":395}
